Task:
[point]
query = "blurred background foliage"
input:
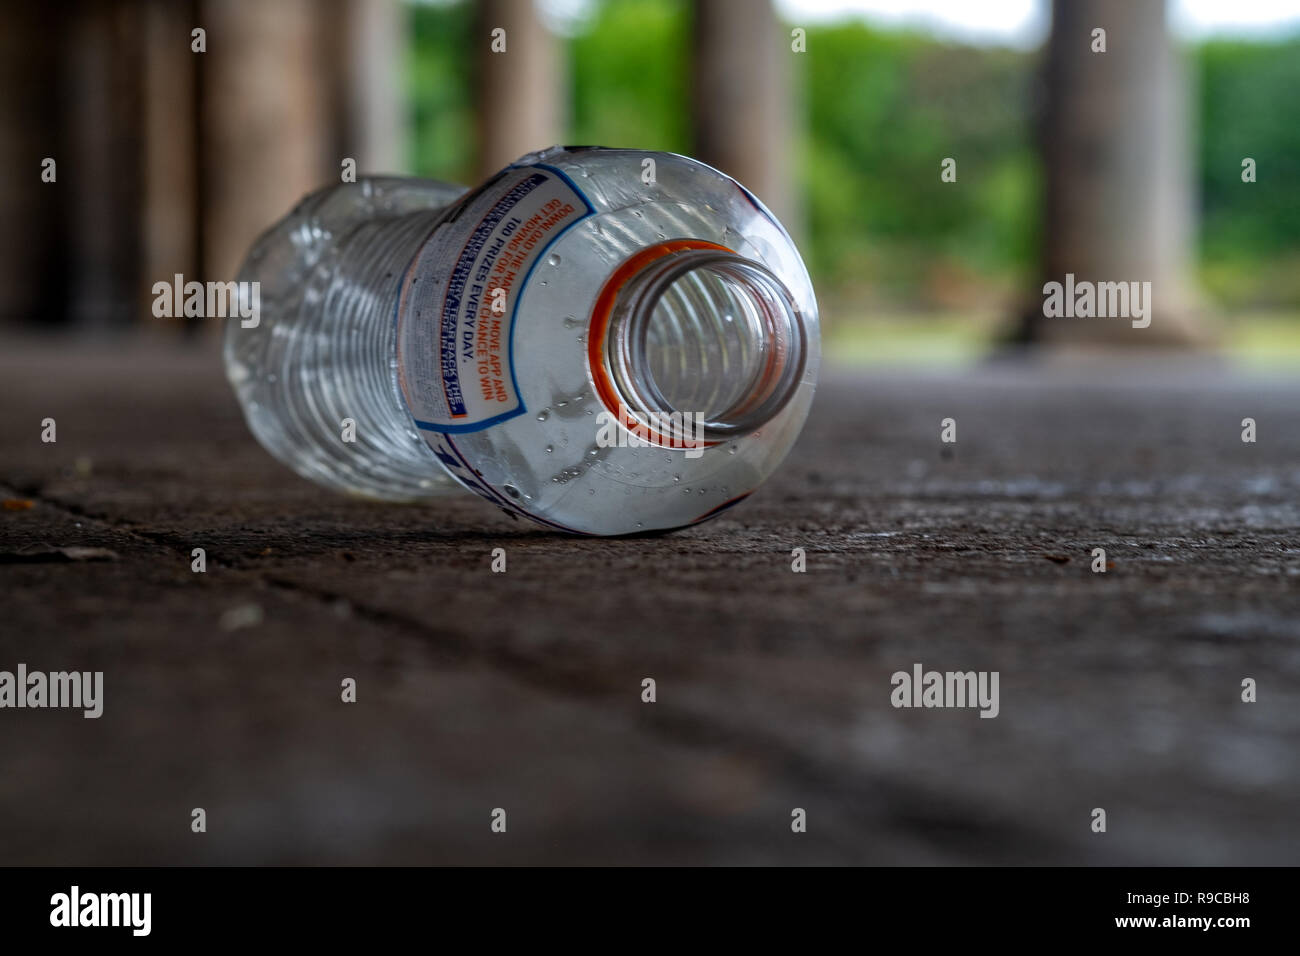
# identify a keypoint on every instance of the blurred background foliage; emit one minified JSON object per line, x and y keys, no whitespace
{"x":1249,"y":239}
{"x":878,"y":108}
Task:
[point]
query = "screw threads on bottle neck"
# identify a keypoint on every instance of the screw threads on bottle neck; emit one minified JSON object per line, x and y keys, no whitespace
{"x":707,"y":335}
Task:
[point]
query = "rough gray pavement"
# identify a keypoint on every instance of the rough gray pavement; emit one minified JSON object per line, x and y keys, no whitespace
{"x":522,"y":690}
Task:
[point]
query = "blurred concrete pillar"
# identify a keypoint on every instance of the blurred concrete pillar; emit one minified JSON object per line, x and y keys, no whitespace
{"x":266,"y":105}
{"x":518,"y":108}
{"x":33,"y":261}
{"x":367,"y":50}
{"x":101,"y":174}
{"x":1118,"y":157}
{"x":171,"y":196}
{"x":741,"y":113}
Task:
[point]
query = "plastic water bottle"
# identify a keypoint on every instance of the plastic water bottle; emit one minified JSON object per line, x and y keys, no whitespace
{"x":604,"y":341}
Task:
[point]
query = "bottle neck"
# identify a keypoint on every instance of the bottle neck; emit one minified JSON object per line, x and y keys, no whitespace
{"x":709,"y":336}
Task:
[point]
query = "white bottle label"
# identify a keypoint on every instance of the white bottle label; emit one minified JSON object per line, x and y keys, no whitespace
{"x":457,"y":310}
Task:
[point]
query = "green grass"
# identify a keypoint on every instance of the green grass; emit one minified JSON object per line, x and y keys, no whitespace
{"x":946,"y":338}
{"x":1255,"y":340}
{"x":1267,"y":339}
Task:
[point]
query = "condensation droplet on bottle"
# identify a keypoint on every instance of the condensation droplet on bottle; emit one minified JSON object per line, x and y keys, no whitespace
{"x":570,"y":321}
{"x":677,"y":477}
{"x":553,"y":259}
{"x":512,"y":491}
{"x":550,"y":449}
{"x":593,"y":452}
{"x":561,"y":404}
{"x":543,"y":415}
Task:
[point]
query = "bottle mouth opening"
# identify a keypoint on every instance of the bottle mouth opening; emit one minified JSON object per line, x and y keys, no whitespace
{"x":707,"y":338}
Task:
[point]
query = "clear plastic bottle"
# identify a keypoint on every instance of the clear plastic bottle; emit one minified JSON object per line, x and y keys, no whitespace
{"x":605,"y":341}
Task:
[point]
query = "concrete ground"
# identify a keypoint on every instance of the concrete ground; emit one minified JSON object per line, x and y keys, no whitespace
{"x":522,"y":690}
